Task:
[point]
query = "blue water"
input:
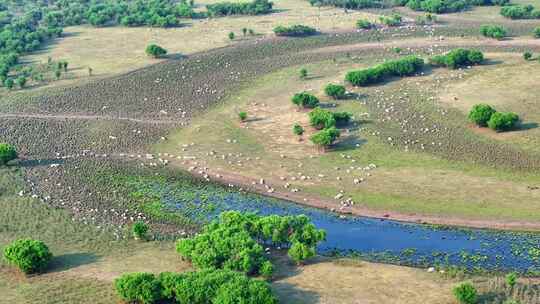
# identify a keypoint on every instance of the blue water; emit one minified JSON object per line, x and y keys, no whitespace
{"x":387,"y":240}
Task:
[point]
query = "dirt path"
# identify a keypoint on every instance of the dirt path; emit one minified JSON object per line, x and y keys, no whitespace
{"x":85,"y":117}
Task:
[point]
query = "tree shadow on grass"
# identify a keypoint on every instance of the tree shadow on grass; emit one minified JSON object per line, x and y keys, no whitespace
{"x":72,"y":260}
{"x":290,"y":294}
{"x":347,"y":143}
{"x":29,"y":163}
{"x":526,"y":126}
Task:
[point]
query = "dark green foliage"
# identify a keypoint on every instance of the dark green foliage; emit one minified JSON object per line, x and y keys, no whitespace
{"x":402,"y":67}
{"x":503,"y":121}
{"x":393,"y":20}
{"x":155,"y":50}
{"x":231,"y":36}
{"x":342,"y":118}
{"x":30,"y":256}
{"x":303,"y":73}
{"x":480,"y":114}
{"x":267,"y":270}
{"x":458,"y":58}
{"x":324,"y":138}
{"x":536,"y":32}
{"x":321,"y":119}
{"x":244,"y":290}
{"x":300,"y":252}
{"x":432,"y":6}
{"x":527,"y":55}
{"x":138,"y":287}
{"x":256,"y":7}
{"x":349,"y":4}
{"x":243,"y":116}
{"x":294,"y":30}
{"x":493,"y":31}
{"x":511,"y":279}
{"x":335,"y":91}
{"x":9,"y":83}
{"x":231,"y":242}
{"x":520,"y":12}
{"x":21,"y":81}
{"x":465,"y":293}
{"x":168,"y":282}
{"x":298,"y":129}
{"x":364,"y":24}
{"x":139,"y":230}
{"x":305,"y":100}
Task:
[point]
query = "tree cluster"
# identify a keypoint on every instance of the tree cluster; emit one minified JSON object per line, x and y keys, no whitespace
{"x":200,"y":287}
{"x":484,"y":115}
{"x":402,"y":67}
{"x":7,"y":153}
{"x":458,"y":58}
{"x":520,"y":12}
{"x":256,"y":7}
{"x":155,"y":50}
{"x":536,"y":32}
{"x":392,"y":20}
{"x":432,"y":6}
{"x":326,"y":121}
{"x":296,"y":30}
{"x":30,"y":256}
{"x":493,"y":31}
{"x":305,"y":100}
{"x":235,"y":241}
{"x":364,"y":24}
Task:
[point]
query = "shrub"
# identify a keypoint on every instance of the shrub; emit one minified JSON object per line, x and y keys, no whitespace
{"x":325,"y":137}
{"x":267,"y":270}
{"x":168,"y":282}
{"x":231,"y":36}
{"x":21,"y":81}
{"x":303,"y":73}
{"x":300,"y":252}
{"x":511,"y":279}
{"x":321,"y":119}
{"x":243,"y":116}
{"x":536,"y":32}
{"x":7,"y":153}
{"x":256,"y":7}
{"x":138,"y":287}
{"x":294,"y":30}
{"x":527,"y":55}
{"x":30,"y":256}
{"x":480,"y":114}
{"x":342,"y":118}
{"x":405,"y":66}
{"x":335,"y":91}
{"x":139,"y":230}
{"x":520,"y":12}
{"x":9,"y":83}
{"x":393,"y":20}
{"x":298,"y":129}
{"x":503,"y":121}
{"x":364,"y":24}
{"x":465,"y":293}
{"x":457,"y":58}
{"x":155,"y":50}
{"x":493,"y":31}
{"x":305,"y":100}
{"x":244,"y":290}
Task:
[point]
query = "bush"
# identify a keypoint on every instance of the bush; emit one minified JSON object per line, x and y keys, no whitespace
{"x":393,"y":20}
{"x":9,"y":83}
{"x":256,"y":7}
{"x":7,"y":153}
{"x":139,"y":230}
{"x":303,"y":73}
{"x":520,"y":12}
{"x":465,"y":293}
{"x":244,"y":290}
{"x":30,"y":256}
{"x":405,"y":66}
{"x":305,"y":100}
{"x":267,"y":270}
{"x":511,"y":279}
{"x":138,"y":287}
{"x":480,"y":114}
{"x":294,"y":30}
{"x":321,"y":119}
{"x":298,"y":129}
{"x":231,"y":36}
{"x":300,"y":252}
{"x":243,"y":116}
{"x":21,"y":81}
{"x":168,"y":282}
{"x":503,"y":121}
{"x":342,"y":118}
{"x":155,"y":51}
{"x":364,"y":24}
{"x":335,"y":91}
{"x":325,"y":137}
{"x":536,"y":32}
{"x":457,"y":58}
{"x":493,"y":31}
{"x":527,"y":55}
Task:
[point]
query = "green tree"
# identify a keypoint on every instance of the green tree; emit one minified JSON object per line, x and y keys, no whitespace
{"x":231,"y":36}
{"x":57,"y":74}
{"x":325,"y":137}
{"x":493,"y":31}
{"x":303,"y":73}
{"x":536,"y":32}
{"x":138,"y":287}
{"x":511,"y":279}
{"x":527,"y":55}
{"x":480,"y":114}
{"x":21,"y":81}
{"x":139,"y":229}
{"x":305,"y":100}
{"x":244,"y":31}
{"x":503,"y":121}
{"x":298,"y":129}
{"x":30,"y":256}
{"x":335,"y":91}
{"x":465,"y":293}
{"x":243,"y":116}
{"x":267,"y":270}
{"x":9,"y":83}
{"x":321,"y":118}
{"x":7,"y":153}
{"x":300,"y":252}
{"x":364,"y":24}
{"x":155,"y":50}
